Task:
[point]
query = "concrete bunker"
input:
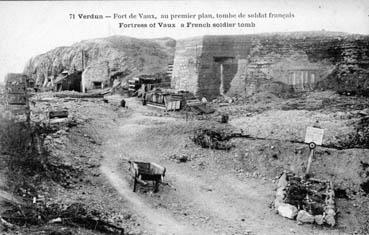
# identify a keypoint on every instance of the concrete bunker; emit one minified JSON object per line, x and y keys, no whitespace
{"x":243,"y":65}
{"x":96,"y":76}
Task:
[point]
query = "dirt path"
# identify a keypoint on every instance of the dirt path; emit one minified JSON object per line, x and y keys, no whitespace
{"x":211,"y":201}
{"x":116,"y":149}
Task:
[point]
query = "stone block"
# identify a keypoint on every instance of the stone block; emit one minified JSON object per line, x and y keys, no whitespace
{"x":319,"y":219}
{"x":287,"y":210}
{"x":330,"y":217}
{"x":305,"y":217}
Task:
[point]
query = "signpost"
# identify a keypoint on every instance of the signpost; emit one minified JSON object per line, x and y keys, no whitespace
{"x":313,"y":137}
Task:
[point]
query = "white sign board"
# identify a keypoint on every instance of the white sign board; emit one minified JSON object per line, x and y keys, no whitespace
{"x":314,"y":135}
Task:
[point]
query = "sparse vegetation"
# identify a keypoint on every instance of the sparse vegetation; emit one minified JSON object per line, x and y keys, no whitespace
{"x":19,"y":142}
{"x":27,"y":156}
{"x":360,"y":137}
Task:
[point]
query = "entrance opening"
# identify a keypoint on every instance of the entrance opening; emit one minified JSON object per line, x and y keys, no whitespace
{"x":225,"y":72}
{"x":97,"y":85}
{"x":224,"y":59}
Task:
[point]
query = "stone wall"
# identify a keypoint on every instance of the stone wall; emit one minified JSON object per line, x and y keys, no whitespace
{"x":351,"y":73}
{"x":246,"y":64}
{"x":95,"y":73}
{"x":220,"y":51}
{"x":186,"y":64}
{"x":126,"y":57}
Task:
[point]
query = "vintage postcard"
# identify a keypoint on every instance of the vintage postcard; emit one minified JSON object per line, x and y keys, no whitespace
{"x":184,"y":117}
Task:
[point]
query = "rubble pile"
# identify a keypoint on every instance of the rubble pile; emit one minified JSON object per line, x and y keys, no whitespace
{"x":78,"y":95}
{"x":179,"y":158}
{"x":359,"y":138}
{"x":307,"y":201}
{"x":75,"y":215}
{"x":44,"y":105}
{"x":212,"y":139}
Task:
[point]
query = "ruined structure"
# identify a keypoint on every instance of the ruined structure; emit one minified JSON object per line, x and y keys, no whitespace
{"x":69,"y":82}
{"x":96,"y":76}
{"x":16,"y":97}
{"x":101,"y":62}
{"x":210,"y":66}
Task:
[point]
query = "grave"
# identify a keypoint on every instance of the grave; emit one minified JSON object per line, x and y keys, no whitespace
{"x":306,"y":200}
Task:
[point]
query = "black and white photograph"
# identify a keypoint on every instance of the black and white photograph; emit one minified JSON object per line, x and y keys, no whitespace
{"x":151,"y":117}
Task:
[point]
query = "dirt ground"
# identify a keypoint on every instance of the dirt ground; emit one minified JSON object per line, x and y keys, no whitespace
{"x":215,"y":191}
{"x":211,"y":194}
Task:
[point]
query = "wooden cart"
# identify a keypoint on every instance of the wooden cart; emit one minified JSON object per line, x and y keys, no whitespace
{"x":146,"y":171}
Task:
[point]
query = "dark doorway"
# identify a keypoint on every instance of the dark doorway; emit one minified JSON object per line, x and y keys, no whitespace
{"x":224,"y":59}
{"x":226,"y":69}
{"x":97,"y":85}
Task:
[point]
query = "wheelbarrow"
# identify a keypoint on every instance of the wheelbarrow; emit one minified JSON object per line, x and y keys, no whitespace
{"x":142,"y":172}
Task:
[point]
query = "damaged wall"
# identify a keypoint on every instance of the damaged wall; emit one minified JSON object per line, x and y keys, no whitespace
{"x":186,"y":64}
{"x":69,"y":82}
{"x":125,"y":56}
{"x":246,"y":64}
{"x":96,"y":76}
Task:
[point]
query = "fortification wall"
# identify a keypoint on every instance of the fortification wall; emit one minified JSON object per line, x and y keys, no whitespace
{"x":246,"y":64}
{"x":220,"y":55}
{"x":95,"y":73}
{"x":186,"y":64}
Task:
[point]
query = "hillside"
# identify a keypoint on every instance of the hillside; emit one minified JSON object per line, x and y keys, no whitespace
{"x":124,"y":56}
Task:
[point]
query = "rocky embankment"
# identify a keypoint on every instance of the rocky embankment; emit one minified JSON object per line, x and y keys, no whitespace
{"x":124,"y":56}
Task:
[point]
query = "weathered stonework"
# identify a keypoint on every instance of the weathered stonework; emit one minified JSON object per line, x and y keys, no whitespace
{"x":186,"y":64}
{"x":126,"y":57}
{"x":95,"y":76}
{"x":210,"y":66}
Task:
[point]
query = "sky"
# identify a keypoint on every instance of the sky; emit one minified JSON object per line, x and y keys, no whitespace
{"x":31,"y":28}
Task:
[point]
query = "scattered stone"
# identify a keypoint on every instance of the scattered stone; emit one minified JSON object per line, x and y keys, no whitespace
{"x":305,"y":217}
{"x":57,"y":220}
{"x":282,"y":182}
{"x":278,"y":202}
{"x":229,"y":100}
{"x":183,"y":158}
{"x":180,"y":158}
{"x":330,"y":217}
{"x":319,"y":219}
{"x":287,"y":210}
{"x":280,"y":193}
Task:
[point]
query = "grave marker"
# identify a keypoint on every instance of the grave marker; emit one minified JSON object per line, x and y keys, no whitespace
{"x":313,"y":137}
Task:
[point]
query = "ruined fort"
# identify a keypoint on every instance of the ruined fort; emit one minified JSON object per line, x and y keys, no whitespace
{"x":210,"y":66}
{"x":204,"y":135}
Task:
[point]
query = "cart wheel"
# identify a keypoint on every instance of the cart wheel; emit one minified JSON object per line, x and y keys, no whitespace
{"x":134,"y":184}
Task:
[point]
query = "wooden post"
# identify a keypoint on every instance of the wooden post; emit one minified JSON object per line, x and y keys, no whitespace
{"x":309,"y":161}
{"x":312,"y":146}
